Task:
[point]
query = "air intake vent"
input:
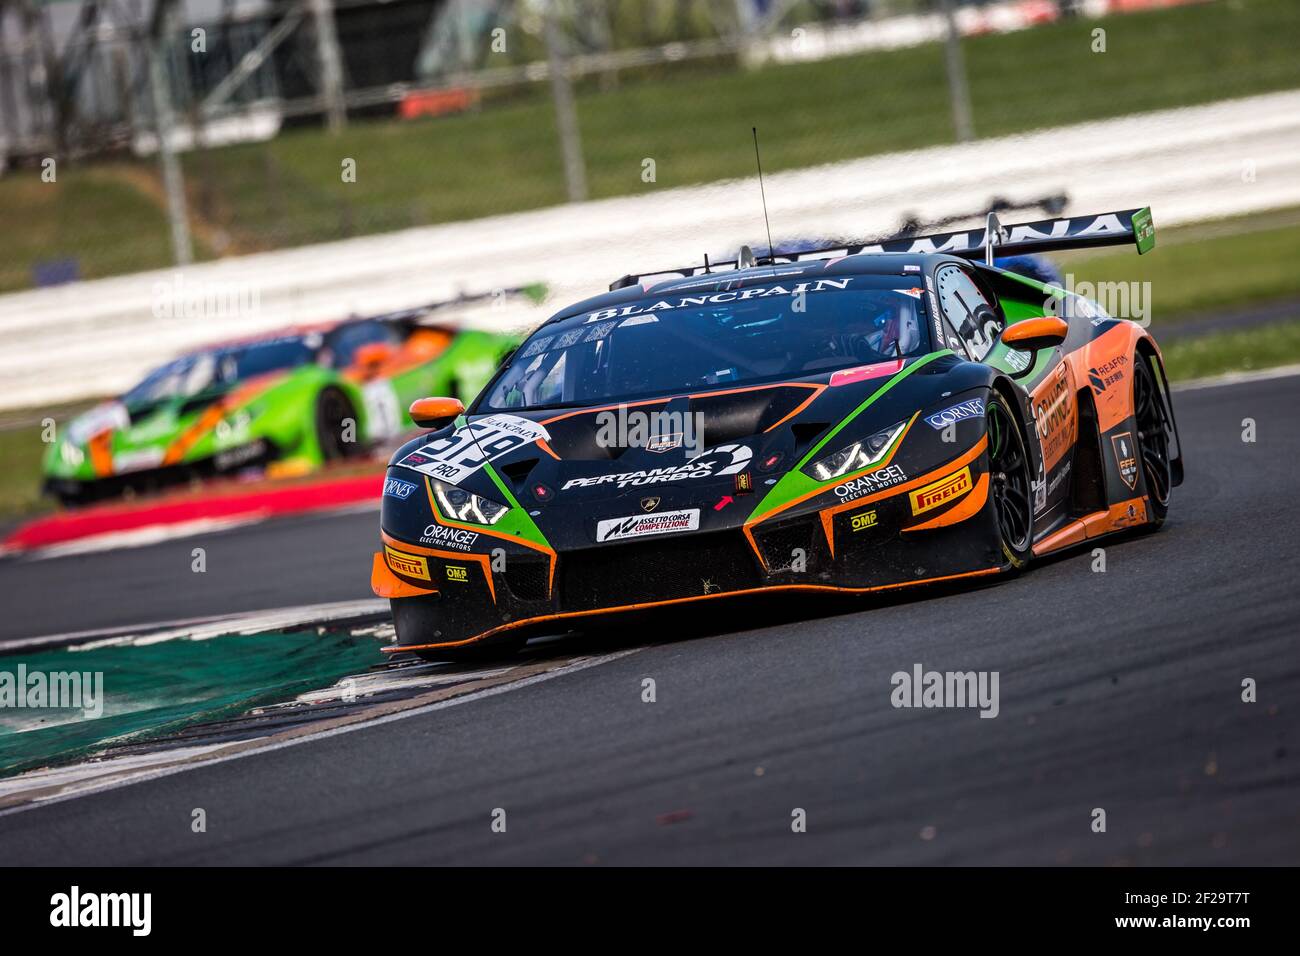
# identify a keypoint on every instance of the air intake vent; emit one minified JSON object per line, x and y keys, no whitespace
{"x":519,"y":471}
{"x":805,"y":433}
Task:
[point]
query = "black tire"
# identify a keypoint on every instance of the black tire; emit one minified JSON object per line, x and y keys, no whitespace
{"x":72,"y":499}
{"x":333,"y":411}
{"x":1153,"y":421}
{"x":1010,"y":482}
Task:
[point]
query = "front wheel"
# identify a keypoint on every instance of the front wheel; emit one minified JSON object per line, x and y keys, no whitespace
{"x":336,"y":425}
{"x":1010,"y":487}
{"x":1153,"y":430}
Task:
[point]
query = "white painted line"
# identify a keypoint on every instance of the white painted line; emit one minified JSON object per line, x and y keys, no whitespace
{"x":1238,"y":378}
{"x":143,"y":537}
{"x":203,"y":628}
{"x":70,"y":775}
{"x":91,"y":786}
{"x":157,"y":533}
{"x":367,"y":685}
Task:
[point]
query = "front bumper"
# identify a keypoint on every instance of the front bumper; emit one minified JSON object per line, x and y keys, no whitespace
{"x":255,"y":454}
{"x":466,"y":598}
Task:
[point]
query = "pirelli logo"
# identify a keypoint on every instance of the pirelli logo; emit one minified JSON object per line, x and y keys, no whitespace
{"x":940,"y":492}
{"x":412,"y":565}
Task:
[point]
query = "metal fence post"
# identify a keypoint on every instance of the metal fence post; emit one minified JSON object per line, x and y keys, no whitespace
{"x":329,"y":62}
{"x":164,"y":123}
{"x":958,"y":89}
{"x":566,"y":113}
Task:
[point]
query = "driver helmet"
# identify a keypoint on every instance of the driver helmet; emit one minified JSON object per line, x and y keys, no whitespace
{"x":896,"y":329}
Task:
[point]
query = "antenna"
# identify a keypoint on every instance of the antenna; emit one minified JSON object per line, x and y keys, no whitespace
{"x":771,"y":255}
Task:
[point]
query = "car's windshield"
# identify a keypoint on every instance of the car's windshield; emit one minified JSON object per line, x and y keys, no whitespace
{"x":220,"y":368}
{"x":683,"y":341}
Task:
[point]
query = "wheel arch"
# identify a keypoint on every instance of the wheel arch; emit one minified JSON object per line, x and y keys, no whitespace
{"x":1145,"y":347}
{"x":1018,"y":399}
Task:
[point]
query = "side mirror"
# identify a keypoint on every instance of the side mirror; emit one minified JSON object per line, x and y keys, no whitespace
{"x":369,"y":358}
{"x":1030,"y":335}
{"x":435,"y":412}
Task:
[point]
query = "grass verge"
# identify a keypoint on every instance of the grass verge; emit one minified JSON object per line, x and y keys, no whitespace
{"x":21,"y":450}
{"x":1266,"y":347}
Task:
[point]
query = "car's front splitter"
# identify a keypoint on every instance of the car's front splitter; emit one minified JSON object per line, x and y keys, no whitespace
{"x":469,"y":598}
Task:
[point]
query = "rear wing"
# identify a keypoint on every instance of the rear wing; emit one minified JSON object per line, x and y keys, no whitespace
{"x":1043,"y":235}
{"x":417,"y":315}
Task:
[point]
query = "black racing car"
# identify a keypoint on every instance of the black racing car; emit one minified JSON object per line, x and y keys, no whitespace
{"x":881,"y":418}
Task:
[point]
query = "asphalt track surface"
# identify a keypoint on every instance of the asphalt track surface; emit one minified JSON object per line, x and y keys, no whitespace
{"x":1118,"y":690}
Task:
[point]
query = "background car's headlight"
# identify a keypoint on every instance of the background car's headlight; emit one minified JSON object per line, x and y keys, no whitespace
{"x":71,"y":454}
{"x":859,"y":455}
{"x":465,"y":506}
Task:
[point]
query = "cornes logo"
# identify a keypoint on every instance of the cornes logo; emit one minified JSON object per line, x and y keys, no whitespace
{"x":956,"y":413}
{"x":396,"y":488}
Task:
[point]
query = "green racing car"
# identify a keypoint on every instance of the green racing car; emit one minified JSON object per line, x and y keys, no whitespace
{"x":280,"y":404}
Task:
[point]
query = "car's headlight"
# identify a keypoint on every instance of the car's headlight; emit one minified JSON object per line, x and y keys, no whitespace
{"x":465,"y":506}
{"x":859,"y":455}
{"x":71,"y":454}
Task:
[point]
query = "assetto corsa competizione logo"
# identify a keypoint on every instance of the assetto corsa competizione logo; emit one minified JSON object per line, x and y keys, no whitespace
{"x":637,"y":526}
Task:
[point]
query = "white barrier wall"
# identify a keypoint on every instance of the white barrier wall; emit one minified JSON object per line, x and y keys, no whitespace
{"x":95,"y":338}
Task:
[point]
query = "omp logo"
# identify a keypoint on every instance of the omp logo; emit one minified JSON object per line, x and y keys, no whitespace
{"x":412,"y":565}
{"x":457,"y":573}
{"x":863,"y":521}
{"x":133,"y":910}
{"x":940,"y":492}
